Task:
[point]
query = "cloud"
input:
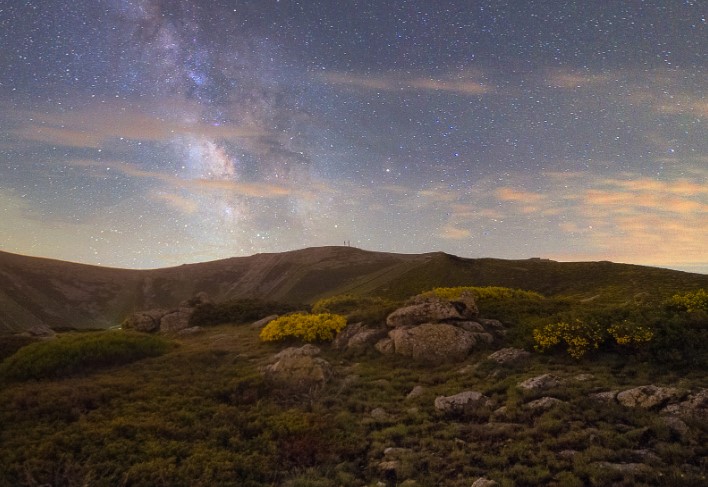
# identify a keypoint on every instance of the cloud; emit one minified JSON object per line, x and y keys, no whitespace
{"x":573,"y":79}
{"x":93,"y":125}
{"x":450,"y":232}
{"x":518,"y":196}
{"x":249,"y":189}
{"x":184,"y":205}
{"x":462,"y":85}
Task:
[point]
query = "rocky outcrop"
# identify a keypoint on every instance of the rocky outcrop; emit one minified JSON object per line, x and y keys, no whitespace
{"x":144,"y":321}
{"x":648,"y":397}
{"x":176,"y":320}
{"x":507,"y":356}
{"x":431,"y":310}
{"x":694,"y":406}
{"x":432,"y":329}
{"x":464,"y":401}
{"x":484,"y":482}
{"x":432,"y":342}
{"x":166,"y":320}
{"x":543,"y":404}
{"x":357,"y":336}
{"x":540,"y":382}
{"x":263,"y":321}
{"x":298,"y":368}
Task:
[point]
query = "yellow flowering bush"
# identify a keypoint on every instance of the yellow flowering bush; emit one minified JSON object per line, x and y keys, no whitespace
{"x":691,"y":301}
{"x":308,"y":327}
{"x":485,"y":292}
{"x":579,"y":337}
{"x":630,"y":333}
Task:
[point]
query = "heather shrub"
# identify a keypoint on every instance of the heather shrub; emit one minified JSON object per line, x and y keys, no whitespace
{"x":307,"y":327}
{"x":485,"y":293}
{"x":691,"y":301}
{"x":78,"y":354}
{"x":239,"y":311}
{"x":367,"y":309}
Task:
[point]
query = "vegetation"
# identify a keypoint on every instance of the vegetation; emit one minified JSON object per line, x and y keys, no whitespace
{"x":79,"y":353}
{"x":695,"y":301}
{"x":307,"y":327}
{"x":485,"y":293}
{"x":239,"y":311}
{"x":200,"y":413}
{"x":366,"y":309}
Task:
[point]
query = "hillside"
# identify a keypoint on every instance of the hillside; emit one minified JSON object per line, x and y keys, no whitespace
{"x":60,"y":294}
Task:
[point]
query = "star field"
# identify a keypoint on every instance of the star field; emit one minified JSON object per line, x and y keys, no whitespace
{"x":149,"y":133}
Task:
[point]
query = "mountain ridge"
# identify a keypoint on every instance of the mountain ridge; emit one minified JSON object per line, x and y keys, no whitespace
{"x":40,"y":291}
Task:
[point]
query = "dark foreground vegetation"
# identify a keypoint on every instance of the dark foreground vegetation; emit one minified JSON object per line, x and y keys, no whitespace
{"x":117,"y":408}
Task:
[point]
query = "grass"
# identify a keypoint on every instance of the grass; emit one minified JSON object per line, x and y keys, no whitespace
{"x":198,"y":412}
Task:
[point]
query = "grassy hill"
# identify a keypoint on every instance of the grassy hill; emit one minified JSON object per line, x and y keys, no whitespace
{"x":201,"y":414}
{"x":68,"y":295}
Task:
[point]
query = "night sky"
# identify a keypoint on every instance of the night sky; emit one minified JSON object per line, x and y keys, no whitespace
{"x":150,"y":133}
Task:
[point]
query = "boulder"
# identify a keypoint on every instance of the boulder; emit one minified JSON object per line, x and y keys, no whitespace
{"x":507,"y":356}
{"x":432,"y":342}
{"x":357,"y":336}
{"x":607,"y":397}
{"x":543,"y":404}
{"x":299,"y":368}
{"x":464,"y":401}
{"x":263,"y":321}
{"x":540,"y":382}
{"x":695,"y":406}
{"x":176,"y":320}
{"x":648,"y":397}
{"x":385,"y":346}
{"x":144,"y":321}
{"x":495,"y":327}
{"x":484,"y":482}
{"x":431,"y":310}
{"x":417,"y":391}
{"x":471,"y":326}
{"x":467,"y":306}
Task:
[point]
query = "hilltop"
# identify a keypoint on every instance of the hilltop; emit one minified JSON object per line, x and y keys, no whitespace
{"x":64,"y":295}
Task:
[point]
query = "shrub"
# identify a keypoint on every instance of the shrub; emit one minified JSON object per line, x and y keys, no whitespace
{"x":484,"y":293}
{"x":691,"y":301}
{"x":367,"y":309}
{"x":74,"y":354}
{"x":10,"y":344}
{"x":629,"y":332}
{"x":308,"y":327}
{"x":239,"y":311}
{"x":579,"y":337}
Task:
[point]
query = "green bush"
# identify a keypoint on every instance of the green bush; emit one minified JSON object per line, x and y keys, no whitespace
{"x":78,"y":354}
{"x":239,"y":311}
{"x":367,"y":309}
{"x":308,"y":327}
{"x":9,"y":344}
{"x":691,"y":301}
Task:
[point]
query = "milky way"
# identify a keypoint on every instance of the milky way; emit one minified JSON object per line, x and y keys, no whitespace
{"x":145,"y":133}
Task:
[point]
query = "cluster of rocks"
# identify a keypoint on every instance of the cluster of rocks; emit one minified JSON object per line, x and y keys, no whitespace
{"x":666,"y":400}
{"x":298,"y":368}
{"x":432,"y":329}
{"x":166,"y":320}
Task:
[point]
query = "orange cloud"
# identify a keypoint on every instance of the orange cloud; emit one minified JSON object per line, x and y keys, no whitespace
{"x":450,"y":232}
{"x":258,"y":190}
{"x":393,"y":82}
{"x":518,"y":196}
{"x":92,"y":126}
